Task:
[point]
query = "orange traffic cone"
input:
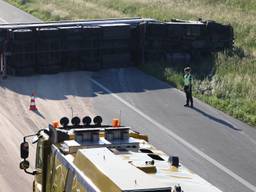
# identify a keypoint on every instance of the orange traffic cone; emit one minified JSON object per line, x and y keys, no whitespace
{"x":32,"y":106}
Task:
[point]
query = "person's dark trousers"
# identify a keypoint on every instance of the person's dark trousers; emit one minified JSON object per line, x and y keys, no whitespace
{"x":189,"y":98}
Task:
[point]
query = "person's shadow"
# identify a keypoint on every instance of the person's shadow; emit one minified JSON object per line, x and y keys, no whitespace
{"x":221,"y":121}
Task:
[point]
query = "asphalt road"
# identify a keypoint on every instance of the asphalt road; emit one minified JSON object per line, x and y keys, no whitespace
{"x":10,"y":14}
{"x":219,"y":148}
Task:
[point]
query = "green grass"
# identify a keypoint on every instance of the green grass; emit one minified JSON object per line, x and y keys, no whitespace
{"x":229,"y":86}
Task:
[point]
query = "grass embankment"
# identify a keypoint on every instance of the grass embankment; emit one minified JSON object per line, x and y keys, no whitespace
{"x":231,"y":84}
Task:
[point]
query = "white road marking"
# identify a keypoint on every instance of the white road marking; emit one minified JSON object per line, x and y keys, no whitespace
{"x":2,"y":20}
{"x":180,"y":139}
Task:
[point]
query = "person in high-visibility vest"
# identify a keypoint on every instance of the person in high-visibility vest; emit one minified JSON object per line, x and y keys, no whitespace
{"x":188,"y":86}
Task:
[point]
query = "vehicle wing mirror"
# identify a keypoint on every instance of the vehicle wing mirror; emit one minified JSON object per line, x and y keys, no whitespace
{"x":24,"y":150}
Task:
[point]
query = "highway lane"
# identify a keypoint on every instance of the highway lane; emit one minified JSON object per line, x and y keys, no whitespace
{"x":217,"y":135}
{"x":227,"y":141}
{"x":10,"y":14}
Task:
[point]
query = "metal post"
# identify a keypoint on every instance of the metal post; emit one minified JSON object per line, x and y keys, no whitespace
{"x":142,"y":45}
{"x":120,"y":117}
{"x":3,"y":66}
{"x":1,"y":63}
{"x":72,"y":112}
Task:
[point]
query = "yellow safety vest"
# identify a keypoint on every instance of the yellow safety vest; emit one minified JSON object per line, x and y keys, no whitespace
{"x":187,"y":79}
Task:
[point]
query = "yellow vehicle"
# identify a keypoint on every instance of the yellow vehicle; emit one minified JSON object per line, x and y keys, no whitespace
{"x":91,"y":157}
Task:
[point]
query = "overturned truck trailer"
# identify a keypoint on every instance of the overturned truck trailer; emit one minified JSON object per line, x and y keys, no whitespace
{"x":39,"y":48}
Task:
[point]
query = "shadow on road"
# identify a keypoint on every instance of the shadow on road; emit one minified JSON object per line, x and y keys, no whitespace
{"x":220,"y":121}
{"x":39,"y":114}
{"x":60,"y":86}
